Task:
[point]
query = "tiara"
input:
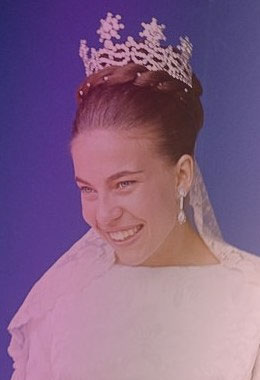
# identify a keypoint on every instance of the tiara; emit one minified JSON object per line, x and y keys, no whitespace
{"x":148,"y":53}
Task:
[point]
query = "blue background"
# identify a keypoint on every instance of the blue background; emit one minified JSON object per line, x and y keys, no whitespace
{"x":40,"y":70}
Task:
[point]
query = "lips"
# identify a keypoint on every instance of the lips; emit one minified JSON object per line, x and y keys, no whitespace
{"x":120,"y":236}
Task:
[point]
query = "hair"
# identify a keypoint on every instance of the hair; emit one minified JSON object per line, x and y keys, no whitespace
{"x":153,"y":103}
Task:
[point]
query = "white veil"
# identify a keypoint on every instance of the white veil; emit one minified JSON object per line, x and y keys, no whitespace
{"x":200,"y":212}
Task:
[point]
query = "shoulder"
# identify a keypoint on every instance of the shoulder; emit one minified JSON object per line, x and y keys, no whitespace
{"x":84,"y":260}
{"x":252,"y":263}
{"x":246,"y":263}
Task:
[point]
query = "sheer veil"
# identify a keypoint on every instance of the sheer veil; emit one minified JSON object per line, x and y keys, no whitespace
{"x":200,"y":212}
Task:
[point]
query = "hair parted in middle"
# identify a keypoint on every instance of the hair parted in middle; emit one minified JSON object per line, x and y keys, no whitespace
{"x":132,"y":98}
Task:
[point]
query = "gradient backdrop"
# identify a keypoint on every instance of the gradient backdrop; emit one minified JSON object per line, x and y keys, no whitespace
{"x":40,"y":70}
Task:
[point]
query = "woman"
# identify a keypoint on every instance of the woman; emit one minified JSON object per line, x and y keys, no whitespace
{"x":151,"y":291}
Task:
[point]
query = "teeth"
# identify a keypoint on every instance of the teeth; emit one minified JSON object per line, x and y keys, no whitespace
{"x":122,"y":235}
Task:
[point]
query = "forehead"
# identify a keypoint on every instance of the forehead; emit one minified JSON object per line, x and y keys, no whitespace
{"x":105,"y":148}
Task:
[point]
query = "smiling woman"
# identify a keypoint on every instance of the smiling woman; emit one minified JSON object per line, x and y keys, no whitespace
{"x":151,"y":291}
{"x":151,"y":202}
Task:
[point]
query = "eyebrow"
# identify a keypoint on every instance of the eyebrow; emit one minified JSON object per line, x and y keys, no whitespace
{"x":113,"y":176}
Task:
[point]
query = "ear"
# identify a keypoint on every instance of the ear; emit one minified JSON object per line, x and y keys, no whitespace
{"x":184,"y":172}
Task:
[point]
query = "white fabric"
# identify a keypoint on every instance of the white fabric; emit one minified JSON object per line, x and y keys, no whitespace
{"x":88,"y":318}
{"x":169,"y":323}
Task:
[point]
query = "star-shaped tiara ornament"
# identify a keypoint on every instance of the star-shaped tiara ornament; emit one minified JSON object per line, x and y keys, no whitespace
{"x":153,"y":32}
{"x":109,"y":28}
{"x":148,"y":52}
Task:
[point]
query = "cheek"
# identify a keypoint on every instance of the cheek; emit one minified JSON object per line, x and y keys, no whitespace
{"x":87,"y":210}
{"x":160,"y":201}
{"x":164,"y":211}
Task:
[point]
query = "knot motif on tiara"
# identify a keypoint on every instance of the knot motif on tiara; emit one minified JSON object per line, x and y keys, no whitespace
{"x":148,"y":52}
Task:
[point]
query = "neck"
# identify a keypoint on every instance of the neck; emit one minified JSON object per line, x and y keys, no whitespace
{"x":182,"y":247}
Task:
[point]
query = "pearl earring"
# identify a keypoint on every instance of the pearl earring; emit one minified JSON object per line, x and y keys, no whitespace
{"x":181,"y":214}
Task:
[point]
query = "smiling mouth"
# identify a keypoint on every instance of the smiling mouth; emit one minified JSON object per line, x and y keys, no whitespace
{"x":122,"y":236}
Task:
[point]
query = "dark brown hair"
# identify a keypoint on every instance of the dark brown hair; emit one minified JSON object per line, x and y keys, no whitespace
{"x":153,"y":103}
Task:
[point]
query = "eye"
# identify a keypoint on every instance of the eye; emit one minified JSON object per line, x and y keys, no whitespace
{"x":86,"y":189}
{"x":120,"y":185}
{"x":127,"y":183}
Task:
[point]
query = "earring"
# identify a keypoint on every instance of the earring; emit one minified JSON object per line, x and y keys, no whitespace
{"x":181,"y":215}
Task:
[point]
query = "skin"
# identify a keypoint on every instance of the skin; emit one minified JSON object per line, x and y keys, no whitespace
{"x":152,"y":200}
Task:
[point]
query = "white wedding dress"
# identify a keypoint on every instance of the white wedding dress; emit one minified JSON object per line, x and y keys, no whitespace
{"x":88,"y":318}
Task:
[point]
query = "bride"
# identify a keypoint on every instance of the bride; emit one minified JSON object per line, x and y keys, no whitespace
{"x":151,"y":291}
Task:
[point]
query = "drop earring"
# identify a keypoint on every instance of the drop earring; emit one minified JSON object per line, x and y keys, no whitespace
{"x":181,"y":214}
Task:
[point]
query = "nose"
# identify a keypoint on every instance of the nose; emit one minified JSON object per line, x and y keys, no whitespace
{"x":107,"y":213}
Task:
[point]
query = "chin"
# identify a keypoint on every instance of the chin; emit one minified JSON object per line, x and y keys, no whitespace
{"x":131,"y":259}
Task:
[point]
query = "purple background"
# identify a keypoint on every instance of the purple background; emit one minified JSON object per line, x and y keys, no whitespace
{"x":40,"y":70}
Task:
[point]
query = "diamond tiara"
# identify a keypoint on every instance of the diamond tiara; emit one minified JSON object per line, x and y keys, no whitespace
{"x":148,"y":53}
